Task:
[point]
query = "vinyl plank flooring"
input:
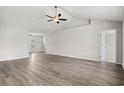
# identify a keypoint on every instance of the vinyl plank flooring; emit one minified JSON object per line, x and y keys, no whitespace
{"x":52,"y":70}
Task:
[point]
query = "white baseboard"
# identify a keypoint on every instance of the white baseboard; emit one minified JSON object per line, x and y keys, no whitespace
{"x":123,"y":65}
{"x":10,"y":59}
{"x":119,"y":63}
{"x":82,"y":58}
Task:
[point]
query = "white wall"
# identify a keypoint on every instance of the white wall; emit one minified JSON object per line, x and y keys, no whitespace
{"x":83,"y":42}
{"x":13,"y":43}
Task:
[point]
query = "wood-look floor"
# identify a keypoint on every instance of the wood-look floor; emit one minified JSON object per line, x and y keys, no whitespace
{"x":45,"y":69}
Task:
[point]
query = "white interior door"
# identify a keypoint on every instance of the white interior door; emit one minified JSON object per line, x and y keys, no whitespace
{"x":108,"y":46}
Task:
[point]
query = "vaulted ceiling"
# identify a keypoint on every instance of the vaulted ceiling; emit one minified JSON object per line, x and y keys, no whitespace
{"x":34,"y":19}
{"x":115,"y":13}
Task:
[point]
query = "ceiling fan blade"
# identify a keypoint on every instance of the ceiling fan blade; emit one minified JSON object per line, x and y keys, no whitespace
{"x":49,"y":20}
{"x":49,"y":16}
{"x":59,"y":15}
{"x":62,"y":19}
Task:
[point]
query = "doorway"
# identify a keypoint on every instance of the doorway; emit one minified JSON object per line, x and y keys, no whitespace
{"x":108,"y":46}
{"x":36,"y":44}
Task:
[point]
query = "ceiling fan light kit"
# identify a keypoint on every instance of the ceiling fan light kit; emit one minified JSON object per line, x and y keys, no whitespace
{"x":57,"y":18}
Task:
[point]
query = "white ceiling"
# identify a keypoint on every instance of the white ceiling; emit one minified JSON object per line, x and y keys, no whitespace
{"x":33,"y":18}
{"x":115,"y":13}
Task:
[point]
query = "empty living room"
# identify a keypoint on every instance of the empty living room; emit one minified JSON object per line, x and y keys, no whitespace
{"x":61,"y":45}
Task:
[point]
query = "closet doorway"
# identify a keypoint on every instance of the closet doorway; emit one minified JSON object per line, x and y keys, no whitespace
{"x":108,"y":46}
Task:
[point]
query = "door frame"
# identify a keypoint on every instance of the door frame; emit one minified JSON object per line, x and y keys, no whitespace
{"x":115,"y":45}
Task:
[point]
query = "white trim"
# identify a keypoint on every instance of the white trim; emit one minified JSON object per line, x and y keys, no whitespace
{"x":97,"y":60}
{"x":123,"y":65}
{"x":115,"y":45}
{"x":119,"y":63}
{"x":11,"y":59}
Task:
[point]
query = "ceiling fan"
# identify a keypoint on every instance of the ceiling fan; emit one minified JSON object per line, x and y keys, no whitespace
{"x":57,"y":18}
